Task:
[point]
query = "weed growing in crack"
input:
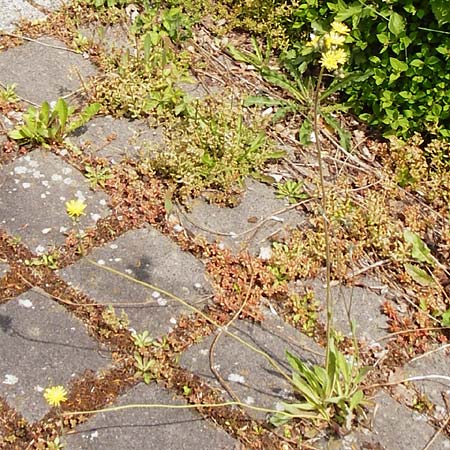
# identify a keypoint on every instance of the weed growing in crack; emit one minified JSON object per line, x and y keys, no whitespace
{"x":97,"y":176}
{"x":331,"y":392}
{"x":214,"y":148}
{"x":48,"y":260}
{"x":146,"y":83}
{"x":51,"y":124}
{"x":8,"y":94}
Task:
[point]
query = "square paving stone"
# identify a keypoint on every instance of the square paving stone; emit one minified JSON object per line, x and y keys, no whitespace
{"x":360,"y":304}
{"x":434,"y":364}
{"x":149,"y":428}
{"x":393,"y":427}
{"x":41,"y":345}
{"x":397,"y":427}
{"x":250,"y":375}
{"x":115,"y":139}
{"x":34,"y":190}
{"x":150,"y":257}
{"x":41,"y":72}
{"x":258,"y":203}
{"x":14,"y":11}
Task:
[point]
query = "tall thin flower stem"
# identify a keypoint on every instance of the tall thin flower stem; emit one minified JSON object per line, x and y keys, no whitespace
{"x":323,"y":200}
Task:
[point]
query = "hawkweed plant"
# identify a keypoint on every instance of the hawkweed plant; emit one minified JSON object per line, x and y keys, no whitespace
{"x":75,"y":209}
{"x":331,"y":392}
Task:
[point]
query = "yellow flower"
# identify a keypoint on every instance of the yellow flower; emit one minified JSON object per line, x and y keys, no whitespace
{"x":75,"y":208}
{"x":55,"y":395}
{"x":340,"y":27}
{"x":333,"y":58}
{"x":333,"y":38}
{"x":314,"y":42}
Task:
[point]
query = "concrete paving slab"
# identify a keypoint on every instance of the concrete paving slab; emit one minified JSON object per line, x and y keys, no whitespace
{"x":13,"y":11}
{"x":111,"y":37}
{"x":35,"y":189}
{"x":41,"y":345}
{"x":434,"y":365}
{"x":41,"y":72}
{"x":397,"y":427}
{"x":363,"y":305}
{"x":149,"y":428}
{"x":151,"y":257}
{"x":115,"y":139}
{"x":258,"y":203}
{"x":247,"y":373}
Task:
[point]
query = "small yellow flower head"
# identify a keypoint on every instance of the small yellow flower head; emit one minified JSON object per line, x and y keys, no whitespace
{"x":334,"y":39}
{"x":332,"y":59}
{"x":55,"y":395}
{"x":314,"y":42}
{"x":75,"y":208}
{"x":340,"y":28}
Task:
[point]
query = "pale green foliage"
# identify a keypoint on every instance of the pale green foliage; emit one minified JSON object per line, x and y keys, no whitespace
{"x":142,"y":340}
{"x":292,"y":190}
{"x":97,"y":175}
{"x":8,"y":94}
{"x":326,"y":394}
{"x":146,"y":368}
{"x":46,"y":125}
{"x":214,"y":148}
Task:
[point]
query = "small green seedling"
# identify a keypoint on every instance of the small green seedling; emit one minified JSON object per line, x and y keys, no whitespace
{"x":47,"y":125}
{"x":142,"y":340}
{"x":292,"y":190}
{"x":97,"y":176}
{"x":49,"y":261}
{"x":145,"y":368}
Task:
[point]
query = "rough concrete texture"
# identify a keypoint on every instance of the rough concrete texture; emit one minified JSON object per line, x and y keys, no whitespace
{"x":397,"y":427}
{"x":150,"y":257}
{"x":41,"y":345}
{"x":53,"y":73}
{"x":353,"y":303}
{"x":435,"y":367}
{"x":149,"y":428}
{"x":111,"y":37}
{"x":13,"y":11}
{"x":115,"y":139}
{"x":35,"y":189}
{"x":258,"y":203}
{"x":249,"y":375}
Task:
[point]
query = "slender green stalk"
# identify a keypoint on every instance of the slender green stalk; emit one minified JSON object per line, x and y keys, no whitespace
{"x":326,"y":227}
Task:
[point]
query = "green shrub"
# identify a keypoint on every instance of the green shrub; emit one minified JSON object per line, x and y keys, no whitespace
{"x":400,"y":55}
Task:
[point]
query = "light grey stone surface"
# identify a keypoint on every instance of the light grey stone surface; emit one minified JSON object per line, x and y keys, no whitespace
{"x":432,"y":366}
{"x":43,"y":73}
{"x":41,"y":345}
{"x":149,"y":428}
{"x":353,"y":303}
{"x":13,"y":11}
{"x":258,"y":203}
{"x":3,"y":268}
{"x":152,"y":258}
{"x":250,"y":376}
{"x":115,"y":139}
{"x":35,"y":189}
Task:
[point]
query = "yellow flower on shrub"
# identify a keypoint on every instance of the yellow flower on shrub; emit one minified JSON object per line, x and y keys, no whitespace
{"x":332,"y":59}
{"x":340,"y":27}
{"x":334,"y":38}
{"x":75,"y":208}
{"x":55,"y":395}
